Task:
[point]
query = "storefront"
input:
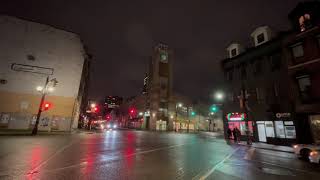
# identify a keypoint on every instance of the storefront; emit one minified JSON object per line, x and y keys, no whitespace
{"x":279,"y":130}
{"x":238,"y":120}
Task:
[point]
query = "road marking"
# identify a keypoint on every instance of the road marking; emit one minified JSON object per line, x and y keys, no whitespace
{"x":35,"y":169}
{"x":210,"y":171}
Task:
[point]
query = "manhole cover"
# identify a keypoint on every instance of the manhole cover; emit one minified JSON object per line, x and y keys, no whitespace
{"x":280,"y":172}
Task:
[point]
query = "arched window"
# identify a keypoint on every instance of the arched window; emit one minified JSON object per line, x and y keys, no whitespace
{"x":304,"y":22}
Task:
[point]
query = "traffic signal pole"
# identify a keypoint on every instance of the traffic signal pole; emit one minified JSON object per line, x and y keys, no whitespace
{"x":35,"y":127}
{"x":245,"y":110}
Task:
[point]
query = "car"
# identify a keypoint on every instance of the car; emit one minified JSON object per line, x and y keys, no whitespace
{"x":111,"y":125}
{"x":98,"y":125}
{"x":314,"y":157}
{"x":303,"y":150}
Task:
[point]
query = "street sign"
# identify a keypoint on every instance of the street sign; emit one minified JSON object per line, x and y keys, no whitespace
{"x":32,"y":69}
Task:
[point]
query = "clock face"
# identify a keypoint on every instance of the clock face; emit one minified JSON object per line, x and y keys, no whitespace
{"x":163,"y":57}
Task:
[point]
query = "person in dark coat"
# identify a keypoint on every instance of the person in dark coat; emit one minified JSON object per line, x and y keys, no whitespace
{"x":234,"y":133}
{"x":229,"y":133}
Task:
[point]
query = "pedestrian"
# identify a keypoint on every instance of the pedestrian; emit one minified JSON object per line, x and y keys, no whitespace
{"x":234,"y":133}
{"x":238,"y":134}
{"x":229,"y":133}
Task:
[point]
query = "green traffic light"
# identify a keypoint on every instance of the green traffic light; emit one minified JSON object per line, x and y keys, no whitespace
{"x":214,"y":109}
{"x":193,"y":113}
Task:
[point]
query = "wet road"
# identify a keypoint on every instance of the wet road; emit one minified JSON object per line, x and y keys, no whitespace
{"x":143,"y":155}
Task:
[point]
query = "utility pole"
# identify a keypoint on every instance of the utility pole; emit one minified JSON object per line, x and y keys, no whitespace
{"x":44,"y":91}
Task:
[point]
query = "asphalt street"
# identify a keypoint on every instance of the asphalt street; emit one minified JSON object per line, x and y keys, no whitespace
{"x":143,"y":155}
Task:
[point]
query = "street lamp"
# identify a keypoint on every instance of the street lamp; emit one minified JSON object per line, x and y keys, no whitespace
{"x":44,"y":90}
{"x":219,"y":96}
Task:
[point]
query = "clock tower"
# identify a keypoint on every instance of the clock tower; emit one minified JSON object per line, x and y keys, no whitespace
{"x":159,"y":89}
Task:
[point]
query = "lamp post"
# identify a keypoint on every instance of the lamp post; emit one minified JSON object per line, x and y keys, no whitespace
{"x":47,"y":87}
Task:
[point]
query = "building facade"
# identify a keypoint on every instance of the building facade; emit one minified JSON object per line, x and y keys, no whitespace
{"x":257,"y":89}
{"x":31,"y":52}
{"x":159,"y":89}
{"x":301,"y":50}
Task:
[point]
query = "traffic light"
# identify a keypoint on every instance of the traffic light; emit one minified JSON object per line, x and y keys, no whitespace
{"x":46,"y":106}
{"x":193,"y":113}
{"x":95,"y":109}
{"x":214,"y":108}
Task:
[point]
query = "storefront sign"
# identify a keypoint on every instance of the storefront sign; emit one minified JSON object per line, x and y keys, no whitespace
{"x":288,"y":123}
{"x":283,"y":115}
{"x":236,"y":116}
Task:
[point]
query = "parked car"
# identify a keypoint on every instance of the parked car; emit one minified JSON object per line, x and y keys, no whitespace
{"x":314,"y":157}
{"x":304,"y":150}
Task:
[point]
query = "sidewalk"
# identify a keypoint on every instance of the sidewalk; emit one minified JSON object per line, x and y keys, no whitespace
{"x":272,"y":147}
{"x":14,"y":132}
{"x":257,"y":145}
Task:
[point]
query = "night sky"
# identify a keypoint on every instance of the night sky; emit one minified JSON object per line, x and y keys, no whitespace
{"x":120,"y":35}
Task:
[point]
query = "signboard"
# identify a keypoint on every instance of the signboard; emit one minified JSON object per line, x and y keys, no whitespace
{"x":283,"y":115}
{"x":236,"y":116}
{"x":32,"y":69}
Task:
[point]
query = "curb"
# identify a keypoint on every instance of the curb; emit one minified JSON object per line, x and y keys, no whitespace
{"x":265,"y":148}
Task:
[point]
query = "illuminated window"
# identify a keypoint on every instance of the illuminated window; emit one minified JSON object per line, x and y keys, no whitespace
{"x":304,"y":22}
{"x":260,"y":38}
{"x":297,"y":50}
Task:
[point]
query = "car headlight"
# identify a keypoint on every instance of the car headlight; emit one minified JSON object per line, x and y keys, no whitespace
{"x":312,"y":153}
{"x":108,"y":126}
{"x":295,"y":146}
{"x":102,"y":126}
{"x":114,"y":126}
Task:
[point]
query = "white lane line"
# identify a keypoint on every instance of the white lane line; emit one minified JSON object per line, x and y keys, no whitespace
{"x":210,"y":171}
{"x":35,"y":169}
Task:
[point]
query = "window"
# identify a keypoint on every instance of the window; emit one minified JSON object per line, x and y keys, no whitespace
{"x":229,"y":74}
{"x":304,"y":83}
{"x":260,"y":38}
{"x":233,"y":52}
{"x":257,"y":67}
{"x":243,"y":71}
{"x":304,"y":22}
{"x":275,"y":62}
{"x":297,"y":50}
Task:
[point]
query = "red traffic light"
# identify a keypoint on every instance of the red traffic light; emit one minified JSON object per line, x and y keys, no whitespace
{"x":95,"y":109}
{"x":46,"y":106}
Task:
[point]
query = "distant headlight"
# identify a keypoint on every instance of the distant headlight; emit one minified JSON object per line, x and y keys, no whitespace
{"x":114,"y":126}
{"x":102,"y":126}
{"x":108,"y":126}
